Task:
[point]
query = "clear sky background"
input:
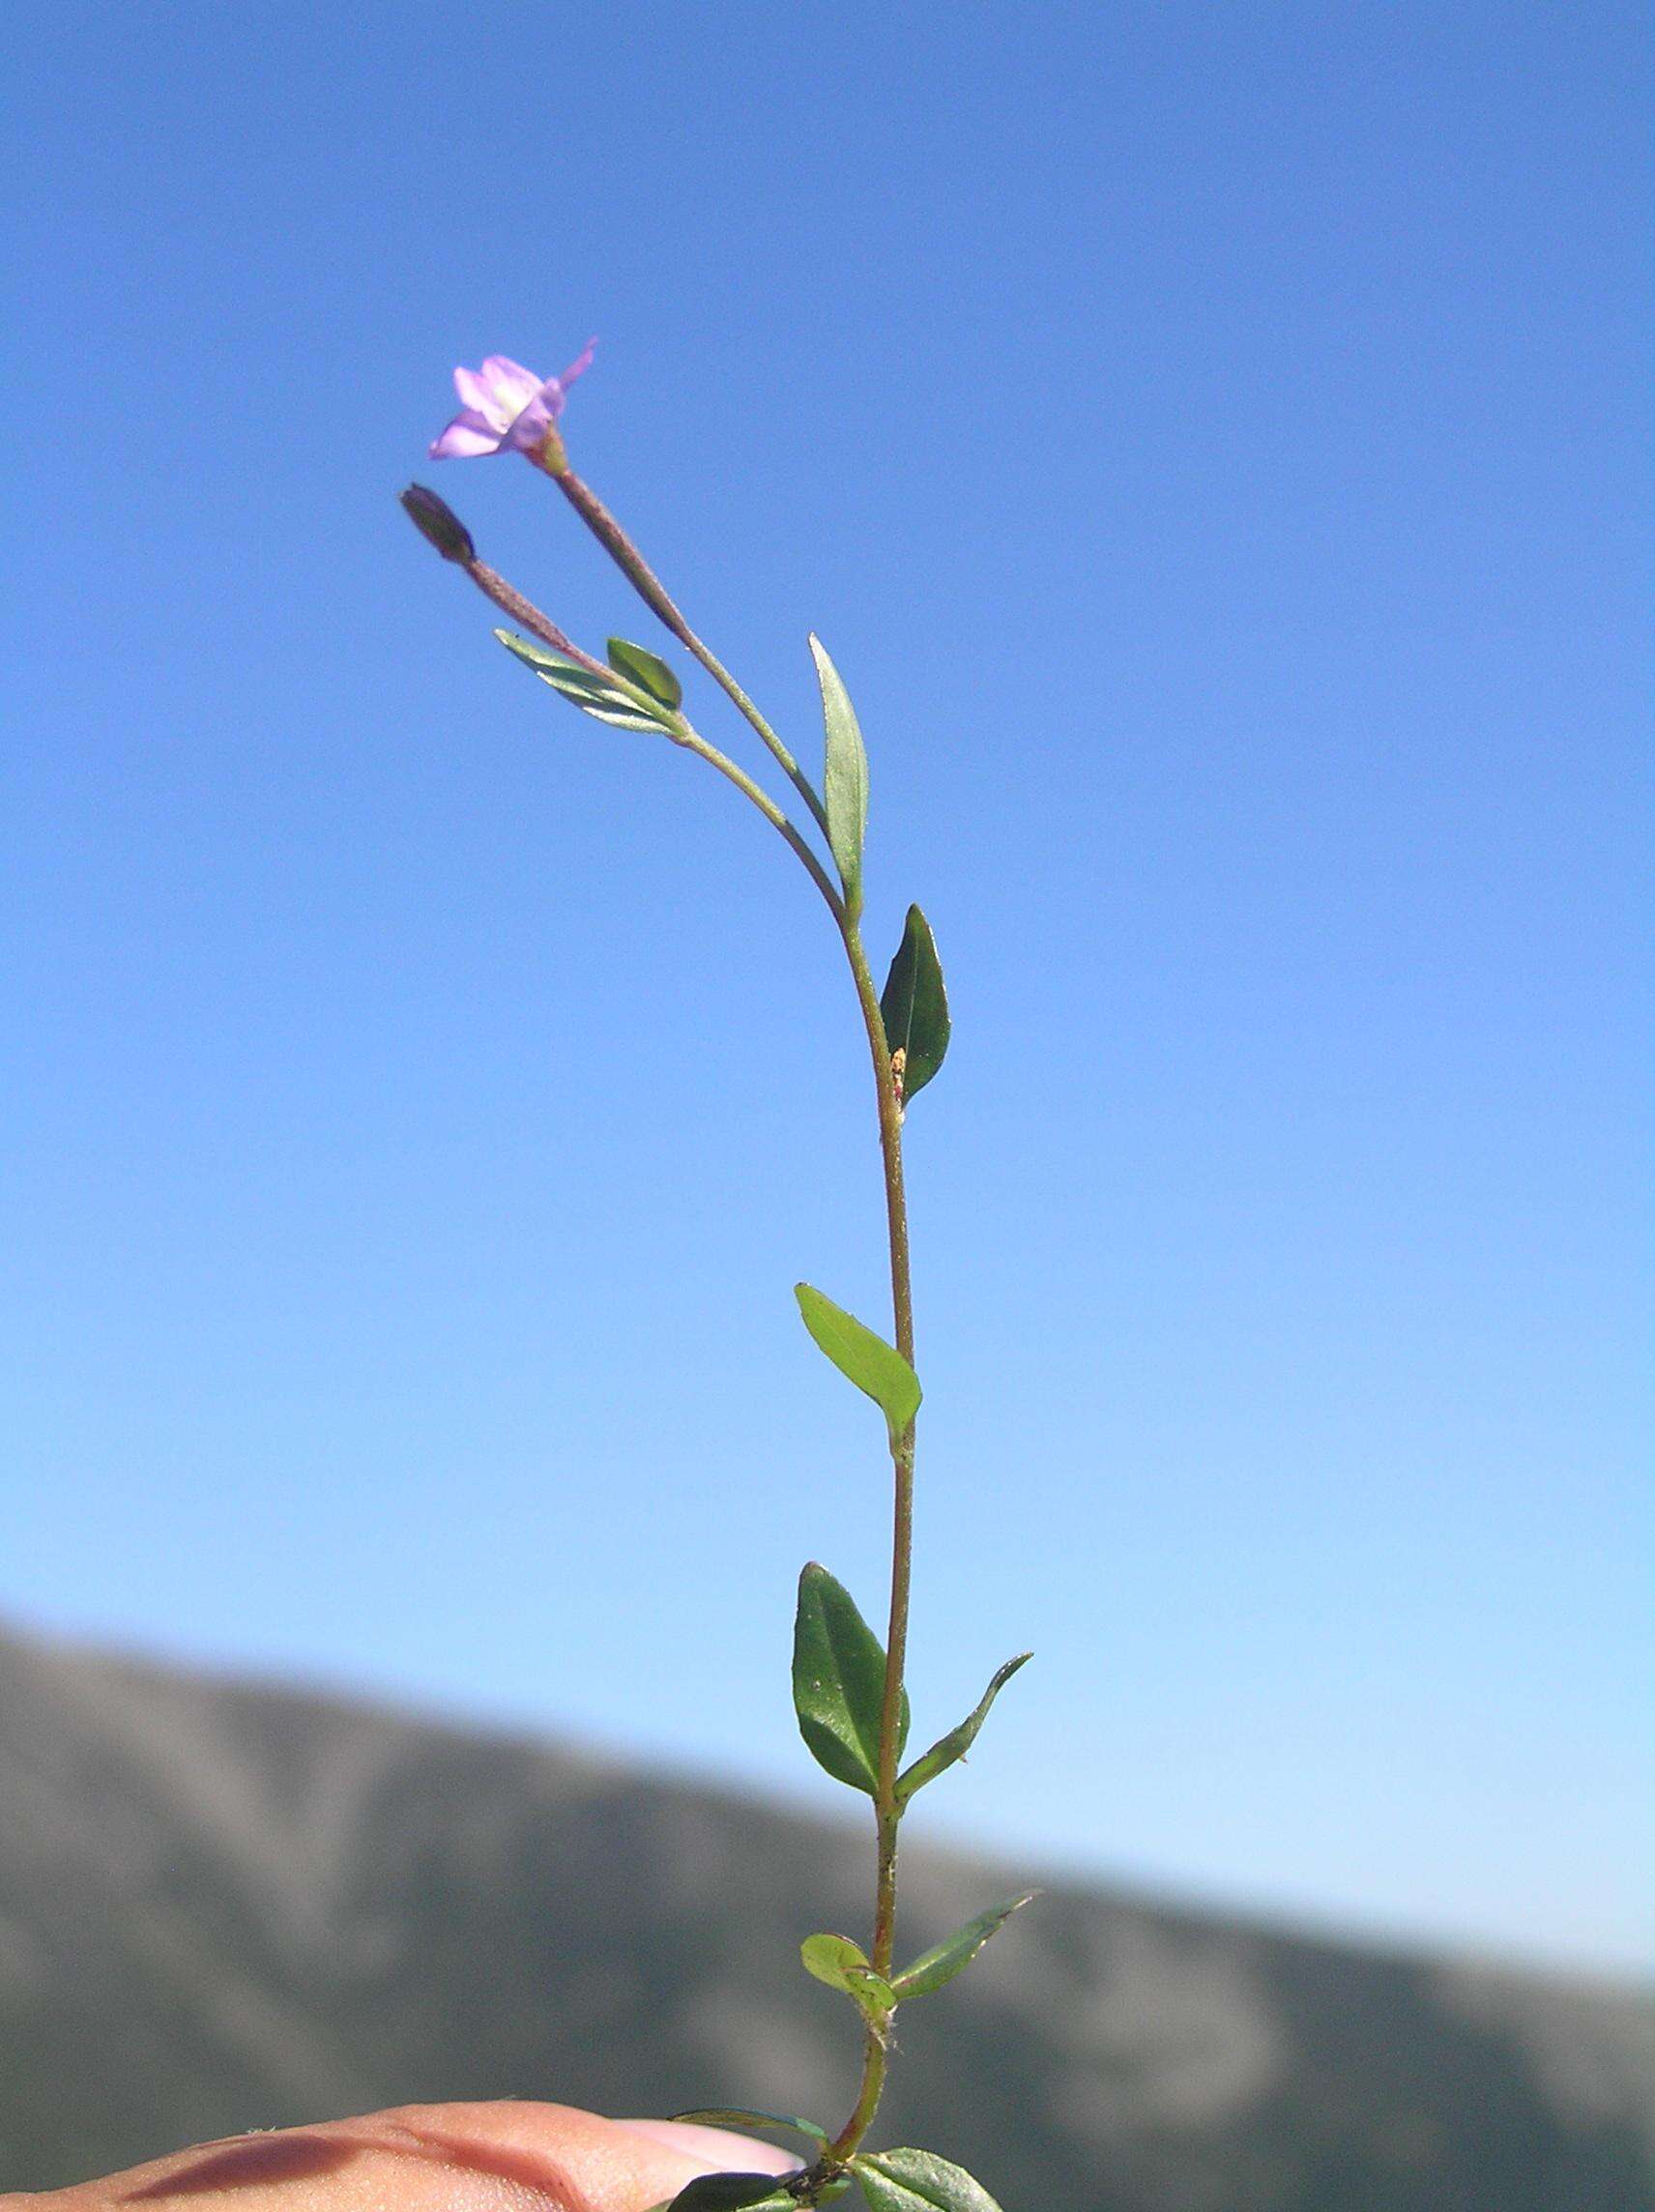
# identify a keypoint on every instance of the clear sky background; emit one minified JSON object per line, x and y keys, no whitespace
{"x":1207,"y":439}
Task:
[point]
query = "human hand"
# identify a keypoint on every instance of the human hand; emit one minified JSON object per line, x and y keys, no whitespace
{"x":430,"y":2158}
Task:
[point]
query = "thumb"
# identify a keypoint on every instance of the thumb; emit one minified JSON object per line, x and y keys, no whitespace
{"x":430,"y":2158}
{"x":723,"y":2151}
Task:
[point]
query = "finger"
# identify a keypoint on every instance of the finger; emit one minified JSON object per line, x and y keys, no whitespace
{"x":723,"y":2150}
{"x":416,"y":2158}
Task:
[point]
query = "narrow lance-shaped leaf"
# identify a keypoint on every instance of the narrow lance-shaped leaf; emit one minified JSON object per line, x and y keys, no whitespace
{"x":915,"y":1005}
{"x":845,"y":778}
{"x":731,"y":2117}
{"x":954,"y":1953}
{"x":555,"y":668}
{"x":735,"y":2193}
{"x":576,"y":682}
{"x":918,"y":2181}
{"x":838,"y":1681}
{"x":958,"y":1740}
{"x":647,"y":670}
{"x":864,"y":1358}
{"x":606,"y":703}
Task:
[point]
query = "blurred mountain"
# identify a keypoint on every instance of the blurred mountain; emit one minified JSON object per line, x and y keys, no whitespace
{"x":225,"y":1907}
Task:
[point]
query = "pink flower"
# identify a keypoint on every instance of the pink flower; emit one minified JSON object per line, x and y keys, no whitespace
{"x":504,"y":408}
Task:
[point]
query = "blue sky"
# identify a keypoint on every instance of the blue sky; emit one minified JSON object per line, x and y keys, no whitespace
{"x":1207,"y":441}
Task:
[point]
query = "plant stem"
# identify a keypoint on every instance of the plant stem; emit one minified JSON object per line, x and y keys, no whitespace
{"x":888,"y":1813}
{"x":509,"y":600}
{"x":693,"y":741}
{"x":653,"y":593}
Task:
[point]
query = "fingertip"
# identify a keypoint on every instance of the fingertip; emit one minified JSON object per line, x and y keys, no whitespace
{"x":721,"y":2151}
{"x":433,"y":2158}
{"x":575,"y":2161}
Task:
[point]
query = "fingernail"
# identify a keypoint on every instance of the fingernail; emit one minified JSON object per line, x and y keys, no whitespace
{"x":713,"y":2149}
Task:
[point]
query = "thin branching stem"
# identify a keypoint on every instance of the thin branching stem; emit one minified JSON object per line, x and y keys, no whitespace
{"x":693,"y":741}
{"x":888,"y":1808}
{"x":887,"y":1811}
{"x":653,"y":593}
{"x":509,"y":600}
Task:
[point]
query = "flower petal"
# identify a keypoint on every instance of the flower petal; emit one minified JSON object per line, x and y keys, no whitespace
{"x":530,"y":429}
{"x":555,"y":391}
{"x":581,"y":363}
{"x":466,"y":437}
{"x":510,"y":386}
{"x":476,"y":394}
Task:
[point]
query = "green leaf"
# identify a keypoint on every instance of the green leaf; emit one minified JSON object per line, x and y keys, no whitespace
{"x":735,"y":2193}
{"x":845,"y":778}
{"x":864,"y":1358}
{"x":838,"y":1681}
{"x":955,"y":1951}
{"x":844,"y":1966}
{"x":915,"y":1006}
{"x":917,"y":2181}
{"x":644,"y":668}
{"x":555,"y":667}
{"x":579,"y":686}
{"x":731,"y":2116}
{"x":958,"y":1740}
{"x":871,"y":1991}
{"x":829,"y":1959}
{"x":618,"y":717}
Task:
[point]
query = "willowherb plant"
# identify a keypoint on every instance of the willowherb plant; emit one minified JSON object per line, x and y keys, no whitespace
{"x":846,"y":1690}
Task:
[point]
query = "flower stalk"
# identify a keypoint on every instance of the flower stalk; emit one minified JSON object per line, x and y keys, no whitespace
{"x":655,"y":596}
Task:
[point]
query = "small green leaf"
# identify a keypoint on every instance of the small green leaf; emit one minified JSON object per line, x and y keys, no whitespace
{"x":844,"y":1966}
{"x":735,"y":2193}
{"x":644,"y":668}
{"x":871,"y":1991}
{"x":845,"y":778}
{"x":917,"y":2181}
{"x":838,"y":1681}
{"x":915,"y":1005}
{"x":580,"y":683}
{"x":830,"y":1958}
{"x":864,"y":1358}
{"x":579,"y":686}
{"x":730,"y":2116}
{"x":555,"y":667}
{"x":958,"y":1740}
{"x":955,"y":1951}
{"x":616,"y":717}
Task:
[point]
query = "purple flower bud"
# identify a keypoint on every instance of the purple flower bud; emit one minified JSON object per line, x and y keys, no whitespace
{"x":436,"y":521}
{"x":506,"y":408}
